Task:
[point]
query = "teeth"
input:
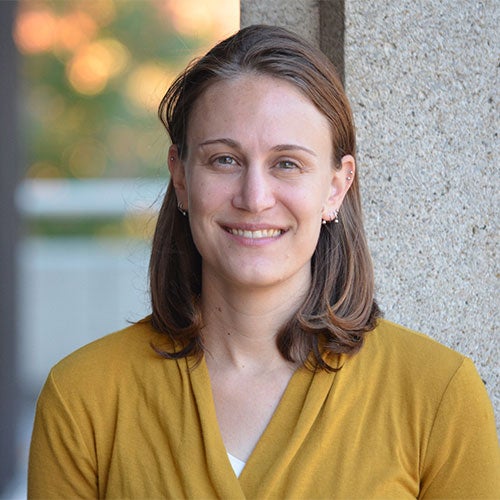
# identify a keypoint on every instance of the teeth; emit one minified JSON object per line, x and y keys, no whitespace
{"x":261,"y":233}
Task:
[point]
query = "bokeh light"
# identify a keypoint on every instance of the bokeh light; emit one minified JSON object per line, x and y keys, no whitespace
{"x":35,"y":31}
{"x":44,"y":170}
{"x":94,"y":73}
{"x":91,"y":68}
{"x":146,"y":84}
{"x":87,"y":158}
{"x":216,"y":18}
{"x":74,"y":30}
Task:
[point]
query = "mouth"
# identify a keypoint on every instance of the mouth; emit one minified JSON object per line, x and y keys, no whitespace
{"x":255,"y":235}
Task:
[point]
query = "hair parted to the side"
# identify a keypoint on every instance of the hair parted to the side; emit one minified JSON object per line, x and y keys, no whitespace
{"x":340,"y":307}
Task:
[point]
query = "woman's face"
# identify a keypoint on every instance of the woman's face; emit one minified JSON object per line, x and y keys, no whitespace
{"x":257,"y":180}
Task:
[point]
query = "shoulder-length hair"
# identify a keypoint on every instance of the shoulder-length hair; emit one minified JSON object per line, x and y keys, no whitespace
{"x":340,"y":307}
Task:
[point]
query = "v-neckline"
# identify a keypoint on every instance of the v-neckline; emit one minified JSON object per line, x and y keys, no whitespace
{"x":298,"y":406}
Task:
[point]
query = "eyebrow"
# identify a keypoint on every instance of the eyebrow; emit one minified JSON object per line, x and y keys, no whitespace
{"x":228,"y":142}
{"x":293,"y":147}
{"x":234,"y":144}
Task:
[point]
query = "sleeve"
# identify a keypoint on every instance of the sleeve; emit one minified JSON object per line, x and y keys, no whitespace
{"x":61,"y":464}
{"x":462,"y":459}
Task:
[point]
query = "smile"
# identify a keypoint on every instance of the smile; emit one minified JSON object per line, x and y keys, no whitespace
{"x":260,"y":233}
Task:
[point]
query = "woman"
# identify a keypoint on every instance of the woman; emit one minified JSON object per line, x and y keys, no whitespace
{"x":264,"y":370}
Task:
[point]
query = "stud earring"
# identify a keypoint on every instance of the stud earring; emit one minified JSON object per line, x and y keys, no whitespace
{"x":332,"y":217}
{"x":181,"y":209}
{"x":349,"y":176}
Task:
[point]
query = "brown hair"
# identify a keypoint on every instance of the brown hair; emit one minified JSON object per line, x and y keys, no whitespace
{"x":340,"y":307}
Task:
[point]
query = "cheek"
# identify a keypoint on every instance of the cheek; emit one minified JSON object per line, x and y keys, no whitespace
{"x":201,"y":194}
{"x":208,"y":194}
{"x":312,"y":200}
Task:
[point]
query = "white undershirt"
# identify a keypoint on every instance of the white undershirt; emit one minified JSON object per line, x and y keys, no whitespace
{"x":236,"y":464}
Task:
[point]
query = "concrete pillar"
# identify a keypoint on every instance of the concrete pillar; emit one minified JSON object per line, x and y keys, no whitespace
{"x":319,"y":21}
{"x":423,"y":81}
{"x":300,"y":16}
{"x":331,"y":32}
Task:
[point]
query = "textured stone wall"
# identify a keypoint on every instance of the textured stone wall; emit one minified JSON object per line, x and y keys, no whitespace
{"x":300,"y":16}
{"x":423,"y":81}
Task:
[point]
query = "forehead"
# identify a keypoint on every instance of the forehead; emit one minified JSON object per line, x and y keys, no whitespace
{"x":255,"y":103}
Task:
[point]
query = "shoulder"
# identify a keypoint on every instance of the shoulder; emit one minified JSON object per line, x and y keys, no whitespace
{"x":113,"y":378}
{"x":121,"y":357}
{"x":435,"y":398}
{"x":114,"y":347}
{"x":418,"y":380}
{"x":409,"y":365}
{"x":401,"y":346}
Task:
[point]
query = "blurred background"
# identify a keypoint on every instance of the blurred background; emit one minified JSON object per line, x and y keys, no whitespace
{"x":83,"y":167}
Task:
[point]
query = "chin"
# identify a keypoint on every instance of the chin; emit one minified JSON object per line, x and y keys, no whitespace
{"x":266,"y":277}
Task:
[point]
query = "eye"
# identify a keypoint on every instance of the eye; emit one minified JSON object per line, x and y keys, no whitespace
{"x":287,"y":165}
{"x":224,"y":160}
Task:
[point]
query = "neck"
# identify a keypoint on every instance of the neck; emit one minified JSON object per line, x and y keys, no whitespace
{"x":241,"y":323}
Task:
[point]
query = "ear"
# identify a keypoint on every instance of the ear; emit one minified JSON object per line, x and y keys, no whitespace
{"x":178,"y":176}
{"x":342,"y":180}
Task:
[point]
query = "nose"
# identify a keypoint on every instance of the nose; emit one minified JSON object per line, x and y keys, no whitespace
{"x":255,"y":190}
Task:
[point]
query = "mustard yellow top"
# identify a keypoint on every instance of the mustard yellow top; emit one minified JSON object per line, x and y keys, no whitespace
{"x":404,"y":418}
